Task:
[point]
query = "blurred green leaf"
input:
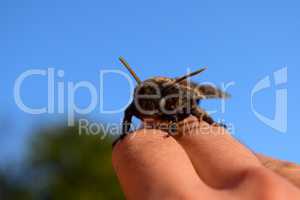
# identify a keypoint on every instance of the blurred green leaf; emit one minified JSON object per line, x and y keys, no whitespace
{"x":67,"y":165}
{"x":61,"y":164}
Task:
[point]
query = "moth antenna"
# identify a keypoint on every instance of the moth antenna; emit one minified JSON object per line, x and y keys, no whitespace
{"x":125,"y":63}
{"x":189,"y":75}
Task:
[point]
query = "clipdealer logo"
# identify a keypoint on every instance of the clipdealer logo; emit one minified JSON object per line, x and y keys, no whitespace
{"x":280,"y":120}
{"x":57,"y":87}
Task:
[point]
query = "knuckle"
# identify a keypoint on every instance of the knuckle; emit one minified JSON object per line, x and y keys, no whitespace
{"x":265,"y":184}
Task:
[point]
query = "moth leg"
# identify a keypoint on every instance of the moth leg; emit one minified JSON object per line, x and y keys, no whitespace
{"x":223,"y":125}
{"x":172,"y":126}
{"x":128,"y":114}
{"x":202,"y":115}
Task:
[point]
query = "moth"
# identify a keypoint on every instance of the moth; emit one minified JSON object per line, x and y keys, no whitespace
{"x":168,"y":99}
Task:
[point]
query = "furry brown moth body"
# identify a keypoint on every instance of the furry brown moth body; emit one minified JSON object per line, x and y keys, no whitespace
{"x":168,"y":99}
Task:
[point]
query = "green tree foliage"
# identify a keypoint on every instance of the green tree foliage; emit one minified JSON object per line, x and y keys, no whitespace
{"x":69,"y":165}
{"x":10,"y":189}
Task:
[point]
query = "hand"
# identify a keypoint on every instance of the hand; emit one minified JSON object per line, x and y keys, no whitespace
{"x":201,"y":162}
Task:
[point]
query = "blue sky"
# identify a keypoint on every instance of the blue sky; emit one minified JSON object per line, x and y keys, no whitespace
{"x":239,"y":41}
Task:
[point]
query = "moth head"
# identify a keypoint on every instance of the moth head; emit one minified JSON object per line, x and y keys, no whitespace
{"x":154,"y":94}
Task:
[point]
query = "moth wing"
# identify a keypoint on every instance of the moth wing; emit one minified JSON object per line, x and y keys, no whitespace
{"x":211,"y":92}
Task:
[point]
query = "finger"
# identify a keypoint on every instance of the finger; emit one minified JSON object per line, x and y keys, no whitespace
{"x":262,"y":183}
{"x":288,"y":170}
{"x":155,"y":166}
{"x":218,"y":158}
